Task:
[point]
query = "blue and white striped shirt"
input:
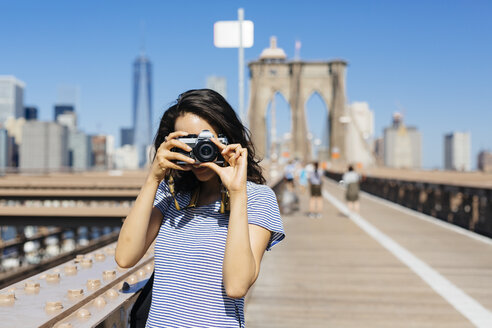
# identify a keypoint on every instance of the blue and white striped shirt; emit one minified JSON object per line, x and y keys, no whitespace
{"x":189,"y":250}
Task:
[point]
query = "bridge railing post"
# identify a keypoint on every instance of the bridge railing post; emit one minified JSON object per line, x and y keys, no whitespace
{"x":430,"y":200}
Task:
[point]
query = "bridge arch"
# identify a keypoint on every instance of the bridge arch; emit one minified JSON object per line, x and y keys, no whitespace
{"x":278,"y":118}
{"x":317,"y":113}
{"x":297,"y":80}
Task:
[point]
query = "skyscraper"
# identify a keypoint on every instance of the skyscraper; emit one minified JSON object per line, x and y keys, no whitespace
{"x":80,"y":150}
{"x":61,"y":109}
{"x":99,"y":152}
{"x":3,"y":150}
{"x":402,"y":145}
{"x":142,"y":106}
{"x":44,"y":147}
{"x":30,"y":113}
{"x":11,"y":98}
{"x":484,"y":161}
{"x":457,"y":151}
{"x":126,"y":136}
{"x":68,"y":119}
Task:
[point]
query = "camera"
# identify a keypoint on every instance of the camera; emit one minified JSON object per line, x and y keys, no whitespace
{"x":202,"y":148}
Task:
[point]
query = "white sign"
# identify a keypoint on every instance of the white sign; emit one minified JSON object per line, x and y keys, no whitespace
{"x":226,"y":34}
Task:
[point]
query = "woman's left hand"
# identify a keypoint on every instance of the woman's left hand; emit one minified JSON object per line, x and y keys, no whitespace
{"x":235,"y":175}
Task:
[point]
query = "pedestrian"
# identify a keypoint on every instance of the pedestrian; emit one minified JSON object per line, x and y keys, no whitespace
{"x":289,"y":201}
{"x":315,"y":183}
{"x":351,"y":180}
{"x":211,"y":221}
{"x":289,"y":172}
{"x":303,"y":178}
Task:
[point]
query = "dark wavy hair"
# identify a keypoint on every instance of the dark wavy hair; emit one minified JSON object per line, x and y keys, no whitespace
{"x":214,"y":109}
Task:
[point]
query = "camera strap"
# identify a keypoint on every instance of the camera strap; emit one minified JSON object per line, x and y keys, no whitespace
{"x":170,"y":183}
{"x":225,"y":205}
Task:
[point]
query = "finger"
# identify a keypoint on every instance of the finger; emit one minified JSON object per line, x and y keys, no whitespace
{"x":229,"y":148}
{"x":232,"y":159}
{"x":237,"y":152}
{"x":242,"y":157}
{"x":176,"y":134}
{"x":176,"y":143}
{"x":228,"y":152}
{"x":235,"y":156}
{"x":179,"y":157}
{"x":178,"y":167}
{"x":171,"y":136}
{"x":218,"y":143}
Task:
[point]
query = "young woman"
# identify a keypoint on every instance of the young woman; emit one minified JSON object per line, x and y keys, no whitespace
{"x":211,"y":222}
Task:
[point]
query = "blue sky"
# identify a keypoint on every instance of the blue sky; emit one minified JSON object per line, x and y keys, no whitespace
{"x":432,"y":58}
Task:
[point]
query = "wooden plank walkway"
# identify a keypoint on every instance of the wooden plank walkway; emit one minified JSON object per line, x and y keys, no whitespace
{"x":330,"y":273}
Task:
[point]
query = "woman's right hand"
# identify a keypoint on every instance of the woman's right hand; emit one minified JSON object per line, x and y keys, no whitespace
{"x":164,"y":157}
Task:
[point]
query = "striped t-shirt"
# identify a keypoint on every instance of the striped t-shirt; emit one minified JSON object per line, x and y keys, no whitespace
{"x":189,"y":250}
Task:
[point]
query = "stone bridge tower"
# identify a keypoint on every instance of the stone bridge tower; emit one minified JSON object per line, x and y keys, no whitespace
{"x":297,"y":81}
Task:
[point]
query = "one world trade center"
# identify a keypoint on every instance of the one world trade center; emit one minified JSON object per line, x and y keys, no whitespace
{"x":142,"y":107}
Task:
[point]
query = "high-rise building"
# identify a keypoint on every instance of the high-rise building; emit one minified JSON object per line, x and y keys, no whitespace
{"x":402,"y":145}
{"x":30,"y":113}
{"x":379,"y":151}
{"x":217,"y":83}
{"x":125,"y":158}
{"x":126,"y":136}
{"x":68,"y":119}
{"x":3,"y":150}
{"x":360,"y":134}
{"x":80,"y":150}
{"x":99,"y":152}
{"x":14,"y":127}
{"x":110,"y":151}
{"x":457,"y":154}
{"x":142,"y":106}
{"x":485,"y":161}
{"x":11,"y":98}
{"x":44,"y":147}
{"x":61,"y":109}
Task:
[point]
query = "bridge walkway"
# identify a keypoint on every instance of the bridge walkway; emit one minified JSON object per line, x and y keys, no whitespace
{"x":386,"y":267}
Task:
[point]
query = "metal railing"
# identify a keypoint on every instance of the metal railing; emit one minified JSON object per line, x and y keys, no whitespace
{"x":87,"y":291}
{"x":467,"y":207}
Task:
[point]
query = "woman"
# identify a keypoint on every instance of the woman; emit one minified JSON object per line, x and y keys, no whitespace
{"x":206,"y":258}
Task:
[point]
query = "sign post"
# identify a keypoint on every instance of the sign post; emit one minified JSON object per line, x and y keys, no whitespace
{"x":240,"y":18}
{"x":236,"y":34}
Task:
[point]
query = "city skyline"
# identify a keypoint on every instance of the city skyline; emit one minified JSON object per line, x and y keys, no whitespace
{"x":426,"y":60}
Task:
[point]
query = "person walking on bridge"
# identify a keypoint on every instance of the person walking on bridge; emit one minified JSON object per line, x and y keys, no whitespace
{"x":351,"y":180}
{"x":290,"y":172}
{"x":212,"y":217}
{"x":316,"y":199}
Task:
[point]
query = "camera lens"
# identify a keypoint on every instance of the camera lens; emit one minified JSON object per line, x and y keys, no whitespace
{"x":205,"y":151}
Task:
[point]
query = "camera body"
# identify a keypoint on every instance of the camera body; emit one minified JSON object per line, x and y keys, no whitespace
{"x":202,"y":148}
